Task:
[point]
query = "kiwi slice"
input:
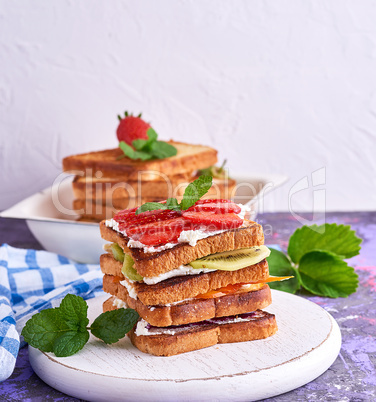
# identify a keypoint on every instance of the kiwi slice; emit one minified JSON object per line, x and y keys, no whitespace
{"x":116,"y":251}
{"x":128,"y":269}
{"x":232,"y":260}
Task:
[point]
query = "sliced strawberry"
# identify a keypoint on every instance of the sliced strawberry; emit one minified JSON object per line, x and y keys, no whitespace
{"x":124,"y":215}
{"x":160,"y":232}
{"x":209,"y":200}
{"x":211,"y":221}
{"x":216,"y":206}
{"x":148,"y":217}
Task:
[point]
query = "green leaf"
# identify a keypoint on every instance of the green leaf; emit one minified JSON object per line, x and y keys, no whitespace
{"x":338,"y":239}
{"x":113,"y":325}
{"x":70,"y":343}
{"x":73,"y":309}
{"x":161,"y":150}
{"x":172,"y":203}
{"x":325,"y":274}
{"x":41,"y":330}
{"x":145,"y":145}
{"x":150,"y":206}
{"x":279,"y":265}
{"x":195,"y":191}
{"x":132,"y":154}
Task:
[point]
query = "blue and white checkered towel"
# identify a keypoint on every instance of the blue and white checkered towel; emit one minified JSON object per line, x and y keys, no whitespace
{"x":31,"y":281}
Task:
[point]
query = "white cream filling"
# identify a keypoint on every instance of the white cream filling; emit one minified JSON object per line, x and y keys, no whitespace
{"x":180,"y":271}
{"x":186,"y":236}
{"x":142,"y":329}
{"x":130,"y":288}
{"x":118,"y":303}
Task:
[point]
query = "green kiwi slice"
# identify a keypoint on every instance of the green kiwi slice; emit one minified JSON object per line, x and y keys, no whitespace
{"x":116,"y":251}
{"x":232,"y":260}
{"x":128,"y":269}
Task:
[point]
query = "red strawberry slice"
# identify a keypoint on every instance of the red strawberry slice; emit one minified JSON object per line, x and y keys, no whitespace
{"x":212,"y":221}
{"x":132,"y":128}
{"x":158,"y":233}
{"x":209,"y":200}
{"x":124,"y":215}
{"x":216,"y":207}
{"x":147,"y":217}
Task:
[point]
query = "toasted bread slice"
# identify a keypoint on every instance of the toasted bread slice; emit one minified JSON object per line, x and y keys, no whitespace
{"x":189,"y":157}
{"x":110,"y":189}
{"x":178,"y":288}
{"x":208,"y":333}
{"x":193,"y":310}
{"x":153,"y":264}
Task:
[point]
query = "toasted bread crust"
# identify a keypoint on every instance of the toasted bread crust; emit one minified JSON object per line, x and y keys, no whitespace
{"x":189,"y":157}
{"x":182,"y":287}
{"x":193,"y":310}
{"x":108,"y":189}
{"x":153,"y":264}
{"x":208,"y":335}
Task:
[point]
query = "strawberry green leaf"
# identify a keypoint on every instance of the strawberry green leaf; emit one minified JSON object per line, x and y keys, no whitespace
{"x":195,"y":191}
{"x":43,"y":328}
{"x":325,"y":274}
{"x":150,"y":206}
{"x":132,"y":154}
{"x":70,"y":343}
{"x":161,"y":150}
{"x":338,"y":239}
{"x":113,"y":325}
{"x":279,"y":265}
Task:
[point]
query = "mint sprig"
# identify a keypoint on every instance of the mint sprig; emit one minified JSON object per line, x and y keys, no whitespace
{"x":148,"y":149}
{"x":315,"y":256}
{"x":192,"y":194}
{"x":64,"y":330}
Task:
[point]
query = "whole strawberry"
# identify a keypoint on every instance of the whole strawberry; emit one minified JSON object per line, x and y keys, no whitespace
{"x":132,"y":128}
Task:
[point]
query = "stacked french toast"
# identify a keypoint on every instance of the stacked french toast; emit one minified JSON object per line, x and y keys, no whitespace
{"x":196,"y":273}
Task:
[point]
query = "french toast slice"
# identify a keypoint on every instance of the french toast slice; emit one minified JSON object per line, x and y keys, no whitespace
{"x":189,"y":157}
{"x":180,"y":287}
{"x":192,"y":310}
{"x":152,"y":264}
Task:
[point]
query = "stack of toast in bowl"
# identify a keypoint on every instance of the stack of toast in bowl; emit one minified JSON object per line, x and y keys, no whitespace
{"x":105,"y":183}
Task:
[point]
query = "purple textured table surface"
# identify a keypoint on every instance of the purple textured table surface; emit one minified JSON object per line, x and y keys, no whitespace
{"x":352,"y":377}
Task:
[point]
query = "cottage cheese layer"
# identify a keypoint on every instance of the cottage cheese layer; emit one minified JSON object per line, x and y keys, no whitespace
{"x":145,"y":329}
{"x":180,"y":271}
{"x":186,"y":236}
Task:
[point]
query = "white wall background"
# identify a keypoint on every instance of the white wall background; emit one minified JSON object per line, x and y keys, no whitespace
{"x":282,"y":87}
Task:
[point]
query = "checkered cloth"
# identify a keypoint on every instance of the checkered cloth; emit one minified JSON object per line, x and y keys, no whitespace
{"x":31,"y":281}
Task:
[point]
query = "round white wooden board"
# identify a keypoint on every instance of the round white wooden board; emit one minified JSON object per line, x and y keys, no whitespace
{"x":306,"y":344}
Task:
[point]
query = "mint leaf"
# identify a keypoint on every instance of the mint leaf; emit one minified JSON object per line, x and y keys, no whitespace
{"x":279,"y":265}
{"x":41,"y":330}
{"x":74,"y":310}
{"x":338,"y":239}
{"x":145,"y":145}
{"x":325,"y":274}
{"x":161,"y":150}
{"x":113,"y":325}
{"x":132,"y":154}
{"x":70,"y":343}
{"x":150,"y":206}
{"x":172,"y":203}
{"x":195,"y":191}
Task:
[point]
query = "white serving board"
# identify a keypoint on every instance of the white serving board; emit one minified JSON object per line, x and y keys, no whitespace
{"x":306,"y":344}
{"x":54,"y":224}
